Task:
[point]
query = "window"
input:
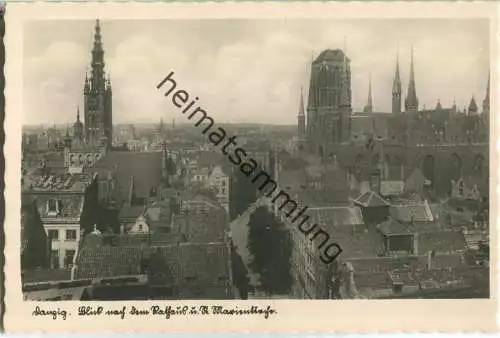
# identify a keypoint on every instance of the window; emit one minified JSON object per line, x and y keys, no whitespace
{"x":140,"y":227}
{"x":71,"y":235}
{"x":52,"y":206}
{"x":53,"y":235}
{"x":68,"y":259}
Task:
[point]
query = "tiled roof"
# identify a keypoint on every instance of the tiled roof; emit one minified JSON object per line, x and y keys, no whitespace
{"x":210,"y":226}
{"x":71,"y":206}
{"x":45,"y":275}
{"x":336,"y":216}
{"x":412,"y":212}
{"x":391,"y":187}
{"x":144,"y":166}
{"x":441,"y":241}
{"x":385,"y":264}
{"x":133,"y":211}
{"x":393,"y":227}
{"x":154,"y":238}
{"x":60,"y":183}
{"x":179,"y":263}
{"x":415,"y":182}
{"x":371,"y":199}
{"x":357,"y":241}
{"x":322,"y":197}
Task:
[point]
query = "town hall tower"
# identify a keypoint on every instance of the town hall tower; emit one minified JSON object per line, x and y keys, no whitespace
{"x":98,"y":98}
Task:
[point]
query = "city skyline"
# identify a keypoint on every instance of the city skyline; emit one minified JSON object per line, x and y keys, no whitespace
{"x":213,"y":56}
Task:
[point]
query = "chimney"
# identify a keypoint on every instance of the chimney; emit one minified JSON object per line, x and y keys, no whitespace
{"x":375,"y":181}
{"x":415,"y":243}
{"x":430,"y":256}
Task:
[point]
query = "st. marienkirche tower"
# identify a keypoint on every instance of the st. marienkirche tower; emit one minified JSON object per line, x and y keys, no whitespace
{"x":98,"y":97}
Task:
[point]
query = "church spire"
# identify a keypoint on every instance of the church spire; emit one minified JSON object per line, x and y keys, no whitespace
{"x":78,"y":114}
{"x":369,"y":103}
{"x":301,"y":117}
{"x":98,"y":77}
{"x":411,"y":102}
{"x":486,"y":101}
{"x":396,"y":89}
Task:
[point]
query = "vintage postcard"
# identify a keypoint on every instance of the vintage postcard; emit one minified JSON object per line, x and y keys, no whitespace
{"x":256,"y":167}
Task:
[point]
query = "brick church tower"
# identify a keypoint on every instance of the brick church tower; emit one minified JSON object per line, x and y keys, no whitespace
{"x":98,"y":98}
{"x":329,"y":102}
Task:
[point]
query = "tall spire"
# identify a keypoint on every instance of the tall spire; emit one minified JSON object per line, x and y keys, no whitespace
{"x":301,"y":131}
{"x":486,"y":101}
{"x":411,"y":102}
{"x":98,"y":79}
{"x":369,"y":103}
{"x":396,"y":89}
{"x":78,"y":114}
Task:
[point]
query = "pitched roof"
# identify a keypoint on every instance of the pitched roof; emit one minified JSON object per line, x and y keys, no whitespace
{"x":420,"y":212}
{"x":371,"y":199}
{"x":441,"y":241}
{"x":45,"y":275}
{"x":415,"y":181}
{"x":357,"y":241}
{"x":392,"y":227}
{"x":71,"y":207}
{"x":144,"y":166}
{"x":391,"y":187}
{"x":207,"y":263}
{"x":336,"y":216}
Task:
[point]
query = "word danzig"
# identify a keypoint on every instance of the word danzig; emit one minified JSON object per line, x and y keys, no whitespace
{"x":50,"y":313}
{"x":248,"y":166}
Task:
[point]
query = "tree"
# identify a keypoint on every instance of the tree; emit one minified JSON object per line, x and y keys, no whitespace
{"x":268,"y":242}
{"x":243,"y":193}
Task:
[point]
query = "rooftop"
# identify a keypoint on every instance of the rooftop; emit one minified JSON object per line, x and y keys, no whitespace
{"x":178,"y":263}
{"x":60,"y":183}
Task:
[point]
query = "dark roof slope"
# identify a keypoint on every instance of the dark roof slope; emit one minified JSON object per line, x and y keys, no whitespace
{"x":144,"y":166}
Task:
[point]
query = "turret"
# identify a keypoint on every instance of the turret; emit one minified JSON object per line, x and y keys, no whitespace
{"x":396,"y":90}
{"x":486,"y":101}
{"x":301,"y":118}
{"x":411,"y":102}
{"x":472,"y":110}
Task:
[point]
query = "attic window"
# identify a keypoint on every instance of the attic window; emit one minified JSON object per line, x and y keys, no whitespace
{"x":54,"y":207}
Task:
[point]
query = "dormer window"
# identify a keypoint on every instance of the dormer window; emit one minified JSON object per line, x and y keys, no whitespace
{"x":54,"y":207}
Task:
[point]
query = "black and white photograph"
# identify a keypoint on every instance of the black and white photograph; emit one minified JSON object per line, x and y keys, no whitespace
{"x":243,"y":159}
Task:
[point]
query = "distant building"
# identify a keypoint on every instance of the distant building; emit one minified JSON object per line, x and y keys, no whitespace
{"x":444,"y":143}
{"x":219,"y":180}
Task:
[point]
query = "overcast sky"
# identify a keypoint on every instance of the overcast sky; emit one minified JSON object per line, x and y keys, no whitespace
{"x":247,"y":70}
